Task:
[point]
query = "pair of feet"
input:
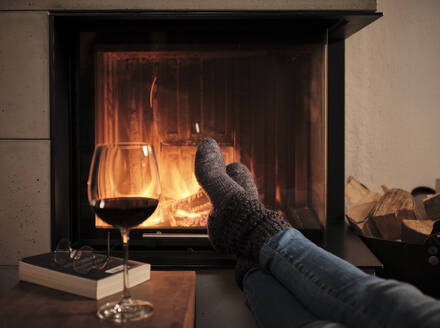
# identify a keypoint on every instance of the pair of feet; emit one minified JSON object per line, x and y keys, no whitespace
{"x":238,"y":224}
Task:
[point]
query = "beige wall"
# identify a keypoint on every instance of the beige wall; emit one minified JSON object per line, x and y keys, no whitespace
{"x":393,"y":97}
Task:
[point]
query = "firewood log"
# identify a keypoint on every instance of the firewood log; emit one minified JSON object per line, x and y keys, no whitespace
{"x":420,"y":211}
{"x":420,"y":194}
{"x":393,"y":207}
{"x":356,"y":193}
{"x":416,"y":231}
{"x":432,"y":206}
{"x":358,"y":216}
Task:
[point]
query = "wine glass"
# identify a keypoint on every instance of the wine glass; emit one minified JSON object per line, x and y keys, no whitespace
{"x":123,"y":190}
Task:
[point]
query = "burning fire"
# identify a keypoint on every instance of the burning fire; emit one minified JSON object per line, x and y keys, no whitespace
{"x":135,"y":107}
{"x":183,"y":203}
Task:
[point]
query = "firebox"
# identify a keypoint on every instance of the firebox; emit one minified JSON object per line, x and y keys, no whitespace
{"x":262,"y":101}
{"x":265,"y":86}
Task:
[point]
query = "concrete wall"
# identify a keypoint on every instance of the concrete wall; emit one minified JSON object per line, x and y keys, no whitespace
{"x":393,"y":97}
{"x":24,"y":135}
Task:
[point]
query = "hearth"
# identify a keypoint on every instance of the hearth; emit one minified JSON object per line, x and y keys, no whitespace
{"x":267,"y":86}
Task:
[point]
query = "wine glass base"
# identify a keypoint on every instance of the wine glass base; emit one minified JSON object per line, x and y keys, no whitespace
{"x":125,"y":311}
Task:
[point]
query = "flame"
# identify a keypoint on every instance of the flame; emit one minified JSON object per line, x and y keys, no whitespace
{"x":128,"y":111}
{"x":178,"y":186}
{"x":184,"y":213}
{"x":183,"y":203}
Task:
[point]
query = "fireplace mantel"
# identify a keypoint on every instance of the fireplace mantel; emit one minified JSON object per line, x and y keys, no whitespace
{"x":297,"y":5}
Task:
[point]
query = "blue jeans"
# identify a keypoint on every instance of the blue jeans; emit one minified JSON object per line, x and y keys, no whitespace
{"x":298,"y":284}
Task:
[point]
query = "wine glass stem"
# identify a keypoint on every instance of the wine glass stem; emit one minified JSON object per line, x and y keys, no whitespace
{"x":125,"y":238}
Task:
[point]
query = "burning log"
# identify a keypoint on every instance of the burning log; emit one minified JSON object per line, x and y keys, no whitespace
{"x":190,"y":211}
{"x":192,"y":203}
{"x":393,"y":207}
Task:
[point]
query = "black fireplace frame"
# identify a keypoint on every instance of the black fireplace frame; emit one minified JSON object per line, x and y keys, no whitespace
{"x":181,"y":252}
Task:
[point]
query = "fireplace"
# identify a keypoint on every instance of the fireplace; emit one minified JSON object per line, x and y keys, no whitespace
{"x":261,"y":101}
{"x":266,"y":86}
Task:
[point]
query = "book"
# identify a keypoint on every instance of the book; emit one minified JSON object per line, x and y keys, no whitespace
{"x":42,"y":270}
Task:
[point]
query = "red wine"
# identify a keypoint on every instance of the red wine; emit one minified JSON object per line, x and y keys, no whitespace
{"x":126,"y":212}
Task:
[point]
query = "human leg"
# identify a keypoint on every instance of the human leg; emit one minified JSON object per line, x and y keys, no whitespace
{"x":272,"y":305}
{"x":328,"y":286}
{"x":331,"y":288}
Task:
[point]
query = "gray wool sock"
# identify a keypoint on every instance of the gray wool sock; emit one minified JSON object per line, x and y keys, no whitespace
{"x":211,"y":173}
{"x":241,"y":174}
{"x":239,"y":223}
{"x":243,"y":265}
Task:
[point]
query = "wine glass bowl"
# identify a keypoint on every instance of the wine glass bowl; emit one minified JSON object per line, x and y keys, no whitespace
{"x":124,"y":190}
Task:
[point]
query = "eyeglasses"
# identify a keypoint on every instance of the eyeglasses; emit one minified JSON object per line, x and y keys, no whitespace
{"x":82,"y":260}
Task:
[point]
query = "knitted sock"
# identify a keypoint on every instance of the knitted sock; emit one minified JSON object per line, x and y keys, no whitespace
{"x":240,"y":174}
{"x":244,"y":264}
{"x":239,"y":223}
{"x":211,"y":173}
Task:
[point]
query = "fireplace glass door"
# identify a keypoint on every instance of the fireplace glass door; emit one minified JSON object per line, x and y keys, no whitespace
{"x":262,"y":100}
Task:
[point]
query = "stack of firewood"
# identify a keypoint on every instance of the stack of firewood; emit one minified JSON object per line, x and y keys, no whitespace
{"x":393,"y":215}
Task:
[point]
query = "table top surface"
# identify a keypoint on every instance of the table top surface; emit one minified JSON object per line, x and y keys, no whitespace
{"x":171,"y":292}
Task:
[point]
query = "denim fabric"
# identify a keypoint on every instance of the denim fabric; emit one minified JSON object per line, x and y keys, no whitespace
{"x":274,"y":306}
{"x":316,"y":284}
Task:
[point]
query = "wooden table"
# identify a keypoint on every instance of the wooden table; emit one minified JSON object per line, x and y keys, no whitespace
{"x":171,"y":292}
